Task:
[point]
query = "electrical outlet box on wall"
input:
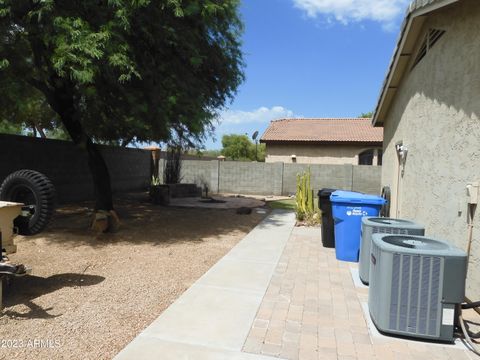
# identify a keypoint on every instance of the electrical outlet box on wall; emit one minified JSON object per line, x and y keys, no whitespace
{"x":472,"y":193}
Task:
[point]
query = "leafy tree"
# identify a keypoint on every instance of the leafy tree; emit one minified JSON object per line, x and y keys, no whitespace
{"x":204,"y":153}
{"x":121,"y":70}
{"x":236,"y":147}
{"x":57,"y":133}
{"x":27,"y":115}
{"x":240,"y":147}
{"x":212,"y":153}
{"x":9,"y":128}
{"x":261,"y":152}
{"x":366,"y":115}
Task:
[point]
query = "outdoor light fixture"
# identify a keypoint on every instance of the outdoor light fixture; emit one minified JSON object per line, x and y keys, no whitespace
{"x":402,"y":152}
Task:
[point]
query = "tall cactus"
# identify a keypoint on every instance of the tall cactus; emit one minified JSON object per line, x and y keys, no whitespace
{"x":304,"y":197}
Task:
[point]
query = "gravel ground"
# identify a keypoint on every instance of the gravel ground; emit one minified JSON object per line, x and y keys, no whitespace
{"x":89,"y":295}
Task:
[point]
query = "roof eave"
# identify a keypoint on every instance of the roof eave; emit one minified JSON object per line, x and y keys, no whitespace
{"x":411,"y":28}
{"x":351,"y":142}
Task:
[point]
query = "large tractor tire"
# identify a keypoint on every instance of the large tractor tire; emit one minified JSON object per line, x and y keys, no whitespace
{"x":34,"y":190}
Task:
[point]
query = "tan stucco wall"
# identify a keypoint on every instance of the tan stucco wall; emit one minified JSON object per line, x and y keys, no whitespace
{"x":315,"y":153}
{"x":436,"y":114}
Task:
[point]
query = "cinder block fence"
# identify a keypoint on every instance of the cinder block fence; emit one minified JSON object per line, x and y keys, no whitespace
{"x":67,"y":167}
{"x":276,"y":178}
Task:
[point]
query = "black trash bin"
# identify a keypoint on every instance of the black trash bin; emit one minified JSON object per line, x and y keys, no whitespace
{"x":325,"y":205}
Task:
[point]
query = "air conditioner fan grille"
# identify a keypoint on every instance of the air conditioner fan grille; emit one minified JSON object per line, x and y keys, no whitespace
{"x":415,"y":294}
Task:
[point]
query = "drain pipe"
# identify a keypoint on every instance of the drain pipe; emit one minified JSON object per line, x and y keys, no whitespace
{"x":471,"y":214}
{"x":472,"y":192}
{"x":472,"y":206}
{"x":402,"y":152}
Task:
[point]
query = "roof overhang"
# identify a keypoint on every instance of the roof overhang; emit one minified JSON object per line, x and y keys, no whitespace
{"x":411,"y":29}
{"x":323,"y":142}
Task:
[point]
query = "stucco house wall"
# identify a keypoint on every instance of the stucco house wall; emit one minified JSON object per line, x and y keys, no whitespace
{"x":436,"y":114}
{"x":336,"y":154}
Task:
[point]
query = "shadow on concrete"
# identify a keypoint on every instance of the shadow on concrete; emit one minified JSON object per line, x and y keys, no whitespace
{"x":274,"y":221}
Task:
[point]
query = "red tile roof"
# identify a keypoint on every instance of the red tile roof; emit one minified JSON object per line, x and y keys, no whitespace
{"x":323,"y":130}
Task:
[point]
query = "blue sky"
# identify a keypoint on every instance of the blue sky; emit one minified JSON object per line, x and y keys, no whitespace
{"x":311,"y":58}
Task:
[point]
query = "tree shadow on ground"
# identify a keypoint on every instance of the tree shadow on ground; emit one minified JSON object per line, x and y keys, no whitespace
{"x":142,"y":222}
{"x":274,"y":221}
{"x":25,"y":289}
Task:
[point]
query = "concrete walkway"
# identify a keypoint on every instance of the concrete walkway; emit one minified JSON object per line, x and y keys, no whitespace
{"x":212,"y":319}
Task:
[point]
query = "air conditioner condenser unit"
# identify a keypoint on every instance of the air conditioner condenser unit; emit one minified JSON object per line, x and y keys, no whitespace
{"x":415,"y":284}
{"x":373,"y":225}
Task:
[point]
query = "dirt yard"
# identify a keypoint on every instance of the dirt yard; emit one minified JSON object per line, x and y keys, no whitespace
{"x":90,"y":295}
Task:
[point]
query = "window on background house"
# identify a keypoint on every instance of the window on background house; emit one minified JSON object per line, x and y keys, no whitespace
{"x":365,"y":157}
{"x":380,"y":156}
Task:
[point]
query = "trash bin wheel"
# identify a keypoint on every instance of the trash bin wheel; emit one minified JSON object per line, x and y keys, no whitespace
{"x":34,"y":190}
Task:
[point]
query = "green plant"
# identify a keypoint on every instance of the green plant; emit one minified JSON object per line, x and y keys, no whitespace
{"x":155,"y":180}
{"x":304,"y":199}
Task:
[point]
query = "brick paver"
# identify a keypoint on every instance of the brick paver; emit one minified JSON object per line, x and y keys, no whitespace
{"x":312,"y":310}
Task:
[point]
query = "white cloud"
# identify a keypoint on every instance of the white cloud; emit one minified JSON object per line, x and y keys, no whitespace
{"x":345,"y":11}
{"x":260,"y":115}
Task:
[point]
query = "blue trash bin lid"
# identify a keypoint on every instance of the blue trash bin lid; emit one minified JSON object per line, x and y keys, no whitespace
{"x":341,"y":196}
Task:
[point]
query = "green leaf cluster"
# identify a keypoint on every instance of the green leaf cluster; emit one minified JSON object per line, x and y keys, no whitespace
{"x":366,"y":114}
{"x":25,"y":112}
{"x":127,"y":70}
{"x":240,"y":147}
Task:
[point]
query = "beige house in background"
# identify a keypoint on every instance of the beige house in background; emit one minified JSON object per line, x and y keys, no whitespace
{"x":323,"y":141}
{"x":429,"y":108}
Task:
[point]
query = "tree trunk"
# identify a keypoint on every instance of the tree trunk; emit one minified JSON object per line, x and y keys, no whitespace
{"x":101,"y":178}
{"x":62,"y":102}
{"x":96,"y":163}
{"x":41,"y":132}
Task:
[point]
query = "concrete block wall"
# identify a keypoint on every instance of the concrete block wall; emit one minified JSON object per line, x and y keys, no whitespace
{"x":197,"y":172}
{"x":322,"y":176}
{"x":129,"y":168}
{"x":250,"y":177}
{"x":278,"y":178}
{"x":67,"y":166}
{"x":366,"y":179}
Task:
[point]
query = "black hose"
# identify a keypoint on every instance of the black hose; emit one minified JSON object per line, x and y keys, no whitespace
{"x":471,"y":305}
